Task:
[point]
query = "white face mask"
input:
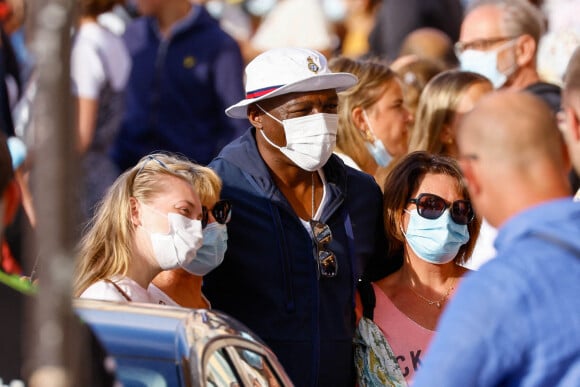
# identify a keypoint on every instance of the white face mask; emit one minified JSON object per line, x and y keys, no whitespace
{"x":310,"y":140}
{"x":485,"y":63}
{"x":179,"y":246}
{"x":377,"y":148}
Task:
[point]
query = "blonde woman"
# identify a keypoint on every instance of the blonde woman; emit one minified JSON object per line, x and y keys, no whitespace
{"x":372,"y":126}
{"x":444,"y":100}
{"x":150,"y":220}
{"x":183,"y":286}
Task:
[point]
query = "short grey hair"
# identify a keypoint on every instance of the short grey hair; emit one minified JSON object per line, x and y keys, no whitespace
{"x":519,"y":17}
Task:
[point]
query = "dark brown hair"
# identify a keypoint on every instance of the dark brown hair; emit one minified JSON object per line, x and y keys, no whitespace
{"x":403,"y":181}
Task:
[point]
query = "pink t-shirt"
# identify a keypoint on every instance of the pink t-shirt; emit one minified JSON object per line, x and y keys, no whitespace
{"x":408,"y":340}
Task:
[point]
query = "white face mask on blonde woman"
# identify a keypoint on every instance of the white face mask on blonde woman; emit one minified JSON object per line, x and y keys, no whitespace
{"x":177,"y":247}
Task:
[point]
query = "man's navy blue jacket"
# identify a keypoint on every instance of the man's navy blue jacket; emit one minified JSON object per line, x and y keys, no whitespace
{"x":268,"y":279}
{"x":178,"y":90}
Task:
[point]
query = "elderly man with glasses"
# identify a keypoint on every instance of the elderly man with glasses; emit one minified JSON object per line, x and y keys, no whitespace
{"x":499,"y":39}
{"x":304,"y":226}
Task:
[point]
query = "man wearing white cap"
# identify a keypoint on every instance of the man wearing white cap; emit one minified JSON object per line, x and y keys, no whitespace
{"x":304,"y":227}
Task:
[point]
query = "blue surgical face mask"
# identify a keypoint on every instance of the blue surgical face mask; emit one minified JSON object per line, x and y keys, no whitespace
{"x":377,"y":148}
{"x":435,"y":240}
{"x":211,"y":254}
{"x":485,"y":63}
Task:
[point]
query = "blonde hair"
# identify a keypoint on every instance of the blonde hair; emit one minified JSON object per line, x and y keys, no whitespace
{"x":105,"y":249}
{"x":207,"y":184}
{"x":437,"y":106}
{"x":374,"y":79}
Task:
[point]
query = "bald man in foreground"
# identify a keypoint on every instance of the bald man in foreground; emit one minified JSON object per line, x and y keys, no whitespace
{"x":516,"y":321}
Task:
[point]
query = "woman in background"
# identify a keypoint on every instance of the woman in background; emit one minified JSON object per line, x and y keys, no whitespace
{"x":100,"y":67}
{"x":372,"y":126}
{"x":444,"y":100}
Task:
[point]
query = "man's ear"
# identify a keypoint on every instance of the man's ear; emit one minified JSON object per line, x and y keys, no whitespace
{"x":135,"y":209}
{"x":470,"y":177}
{"x":12,"y":199}
{"x":255,"y":116}
{"x":572,"y":124}
{"x":526,"y":48}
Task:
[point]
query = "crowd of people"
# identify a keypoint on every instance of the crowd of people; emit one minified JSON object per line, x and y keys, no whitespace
{"x":381,"y":190}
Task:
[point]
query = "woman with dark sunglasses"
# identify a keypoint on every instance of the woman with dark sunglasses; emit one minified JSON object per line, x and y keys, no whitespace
{"x":182,"y":286}
{"x":428,"y":216}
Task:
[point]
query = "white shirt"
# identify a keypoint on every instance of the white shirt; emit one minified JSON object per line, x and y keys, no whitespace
{"x":98,"y":56}
{"x":160,"y":297}
{"x":104,"y":290}
{"x":294,"y":23}
{"x":484,"y":250}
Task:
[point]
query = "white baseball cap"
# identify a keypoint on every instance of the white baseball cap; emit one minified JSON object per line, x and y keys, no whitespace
{"x":281,"y":71}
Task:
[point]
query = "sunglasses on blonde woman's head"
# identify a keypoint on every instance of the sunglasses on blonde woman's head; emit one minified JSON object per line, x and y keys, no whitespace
{"x":221,"y":211}
{"x":431,"y":206}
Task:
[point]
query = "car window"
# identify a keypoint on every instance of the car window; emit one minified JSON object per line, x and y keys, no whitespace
{"x":220,"y":371}
{"x":147,"y":373}
{"x":257,"y":368}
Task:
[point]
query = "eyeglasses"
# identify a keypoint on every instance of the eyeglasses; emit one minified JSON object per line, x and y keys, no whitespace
{"x":221,"y":211}
{"x":431,"y":206}
{"x":479,"y":44}
{"x":325,"y":259}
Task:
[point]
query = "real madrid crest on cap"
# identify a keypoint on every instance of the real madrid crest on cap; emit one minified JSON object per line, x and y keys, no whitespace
{"x":312,"y":66}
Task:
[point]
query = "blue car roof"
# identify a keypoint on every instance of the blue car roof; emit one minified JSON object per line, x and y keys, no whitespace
{"x":156,"y":331}
{"x":177,"y":346}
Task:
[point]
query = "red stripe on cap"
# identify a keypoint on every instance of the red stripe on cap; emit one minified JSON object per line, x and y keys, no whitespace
{"x":261,"y":92}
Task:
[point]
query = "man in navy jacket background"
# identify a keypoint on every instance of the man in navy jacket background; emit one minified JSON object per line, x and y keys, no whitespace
{"x":185,"y":71}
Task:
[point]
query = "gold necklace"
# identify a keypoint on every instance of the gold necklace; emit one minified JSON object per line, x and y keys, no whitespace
{"x":437,"y":303}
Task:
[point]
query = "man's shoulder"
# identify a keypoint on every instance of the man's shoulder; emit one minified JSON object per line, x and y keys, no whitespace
{"x":238,"y":157}
{"x":548,"y":92}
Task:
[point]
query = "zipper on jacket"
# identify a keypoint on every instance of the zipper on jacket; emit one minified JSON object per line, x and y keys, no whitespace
{"x":286,"y":268}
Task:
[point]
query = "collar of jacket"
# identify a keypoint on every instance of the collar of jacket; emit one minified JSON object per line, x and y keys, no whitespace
{"x":244,"y":153}
{"x":197,"y":15}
